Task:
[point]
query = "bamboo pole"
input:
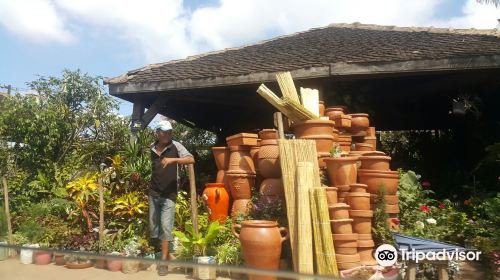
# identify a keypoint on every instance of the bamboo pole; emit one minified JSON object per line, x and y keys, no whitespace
{"x":7,"y":210}
{"x":318,"y":245}
{"x":328,"y":250}
{"x":194,"y":201}
{"x":304,"y":232}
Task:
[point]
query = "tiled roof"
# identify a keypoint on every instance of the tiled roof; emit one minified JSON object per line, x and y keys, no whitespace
{"x":336,"y":43}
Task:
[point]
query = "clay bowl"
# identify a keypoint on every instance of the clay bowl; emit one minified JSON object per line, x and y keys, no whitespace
{"x":358,"y":188}
{"x":331,"y":195}
{"x":344,"y":188}
{"x":313,"y":127}
{"x":375,"y":162}
{"x":341,"y":226}
{"x":376,"y":178}
{"x":363,"y":147}
{"x":360,"y":121}
{"x":339,"y":211}
{"x":366,"y":153}
{"x":268,"y":134}
{"x":358,"y":201}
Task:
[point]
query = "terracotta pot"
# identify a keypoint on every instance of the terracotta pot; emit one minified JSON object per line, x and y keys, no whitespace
{"x":349,"y":258}
{"x":342,"y":226}
{"x":342,"y":171}
{"x":366,"y":256}
{"x":365,"y":237}
{"x":100,"y":263}
{"x":344,"y":188}
{"x":339,"y":211}
{"x":333,"y":112}
{"x":372,"y":140}
{"x":313,"y":128}
{"x":270,"y":167}
{"x":241,"y":185}
{"x":358,"y":201}
{"x":391,"y":199}
{"x":392,"y":208}
{"x":362,"y":225}
{"x":59,"y":259}
{"x":349,"y":236}
{"x":345,"y":138}
{"x":268,"y":134}
{"x":223,"y":179}
{"x":360,"y":213}
{"x":221,"y":156}
{"x":217,"y":200}
{"x":363,"y":147}
{"x":344,"y":121}
{"x":240,"y":160}
{"x":345,"y":146}
{"x":42,"y":258}
{"x":114,"y":264}
{"x":346,"y":246}
{"x":370,"y":132}
{"x":321,"y":106}
{"x":261,"y":244}
{"x":376,"y":179}
{"x":272,"y":187}
{"x":366,"y":243}
{"x":324,"y":143}
{"x":360,"y":121}
{"x":240,"y":207}
{"x":358,"y":188}
{"x":331,"y":195}
{"x":321,"y":161}
{"x":366,"y":153}
{"x":375,"y":162}
{"x":254,"y":154}
{"x":242,"y":139}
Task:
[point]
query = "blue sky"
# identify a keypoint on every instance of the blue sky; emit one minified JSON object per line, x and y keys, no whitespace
{"x":110,"y":37}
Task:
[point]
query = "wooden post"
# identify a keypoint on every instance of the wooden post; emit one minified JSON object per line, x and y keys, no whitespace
{"x":279,"y":122}
{"x":7,"y":210}
{"x":101,"y":212}
{"x":194,"y":200}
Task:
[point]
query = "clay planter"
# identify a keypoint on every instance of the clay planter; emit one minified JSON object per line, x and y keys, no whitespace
{"x":339,"y":211}
{"x":324,"y":143}
{"x":217,"y":200}
{"x":266,"y":134}
{"x":391,"y":199}
{"x":342,"y":226}
{"x":362,"y":225}
{"x":331,"y":195}
{"x":360,"y":213}
{"x":240,"y":207}
{"x":347,"y":261}
{"x":333,"y":112}
{"x":363,"y":147}
{"x":240,"y":160}
{"x":59,"y":259}
{"x":342,"y":171}
{"x":365,"y":250}
{"x":344,"y":121}
{"x":42,"y":258}
{"x":261,"y":244}
{"x":376,"y":179}
{"x":321,"y":106}
{"x":269,"y":164}
{"x":358,"y":188}
{"x":364,"y":237}
{"x":345,"y":146}
{"x":272,"y":187}
{"x":370,"y":132}
{"x":242,"y":139}
{"x":346,"y":246}
{"x":375,"y":162}
{"x":358,"y":201}
{"x":221,"y":156}
{"x":372,"y":140}
{"x":392,"y":208}
{"x":313,"y":128}
{"x":360,"y":121}
{"x":241,"y":185}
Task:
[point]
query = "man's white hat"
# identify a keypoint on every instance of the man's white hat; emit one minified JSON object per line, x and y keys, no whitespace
{"x":164,"y":125}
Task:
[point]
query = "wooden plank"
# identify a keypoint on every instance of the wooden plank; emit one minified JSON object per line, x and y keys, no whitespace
{"x":153,"y":110}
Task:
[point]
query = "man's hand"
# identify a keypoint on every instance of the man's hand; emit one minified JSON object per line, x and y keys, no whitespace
{"x":167,"y":161}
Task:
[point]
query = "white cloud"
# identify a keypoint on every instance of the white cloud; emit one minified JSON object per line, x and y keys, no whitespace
{"x":164,"y":29}
{"x":36,"y":20}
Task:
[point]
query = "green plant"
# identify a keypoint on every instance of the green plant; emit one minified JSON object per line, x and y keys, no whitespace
{"x":229,"y":254}
{"x":83,"y":191}
{"x":336,"y":151}
{"x":266,"y":208}
{"x":380,"y":230}
{"x":129,"y":212}
{"x":198,"y":243}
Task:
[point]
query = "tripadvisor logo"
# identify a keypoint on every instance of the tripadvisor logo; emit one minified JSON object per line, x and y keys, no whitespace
{"x":387,"y":255}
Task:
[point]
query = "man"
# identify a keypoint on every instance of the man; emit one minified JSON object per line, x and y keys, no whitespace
{"x":166,"y":154}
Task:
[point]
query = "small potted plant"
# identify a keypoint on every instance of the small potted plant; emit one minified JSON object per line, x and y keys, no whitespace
{"x":200,"y":244}
{"x":79,"y":243}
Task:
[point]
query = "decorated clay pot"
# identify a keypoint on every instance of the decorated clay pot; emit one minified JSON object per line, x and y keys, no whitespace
{"x":375,"y":162}
{"x":240,"y":160}
{"x":358,"y":201}
{"x":321,"y":106}
{"x":221,"y":156}
{"x":331,"y":195}
{"x":341,"y":226}
{"x":223,"y":179}
{"x":261,"y":244}
{"x":240,"y":207}
{"x":242,"y":139}
{"x":360,"y":121}
{"x":372,"y":140}
{"x":342,"y":171}
{"x":217,"y":200}
{"x":358,"y":188}
{"x":376,"y":179}
{"x":241,"y":184}
{"x":313,"y":128}
{"x":324,"y":143}
{"x":339,"y":211}
{"x":269,"y":163}
{"x":272,"y":187}
{"x":363,"y":147}
{"x":42,"y":258}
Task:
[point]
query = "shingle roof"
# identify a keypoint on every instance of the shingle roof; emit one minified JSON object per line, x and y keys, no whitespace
{"x":336,"y":43}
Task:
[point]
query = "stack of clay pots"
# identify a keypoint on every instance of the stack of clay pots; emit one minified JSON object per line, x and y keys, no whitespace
{"x":271,"y":187}
{"x":241,"y":171}
{"x":221,"y":156}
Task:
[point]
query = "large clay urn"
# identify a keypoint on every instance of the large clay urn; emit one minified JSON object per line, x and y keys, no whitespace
{"x":269,"y":163}
{"x":217,"y":200}
{"x":221,"y":156}
{"x":342,"y":170}
{"x":241,"y":184}
{"x":313,"y":128}
{"x":261,"y":245}
{"x":240,"y":160}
